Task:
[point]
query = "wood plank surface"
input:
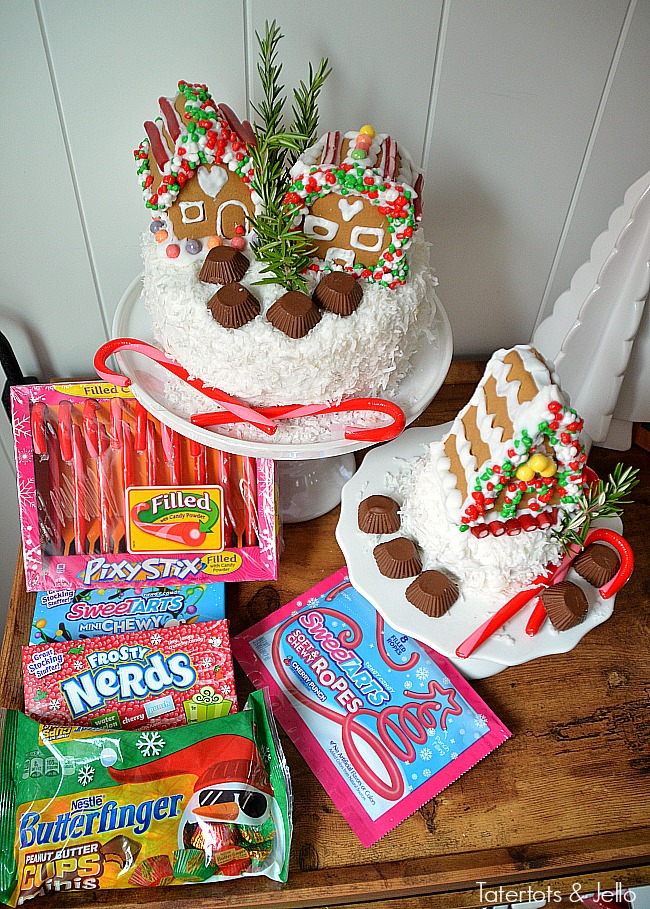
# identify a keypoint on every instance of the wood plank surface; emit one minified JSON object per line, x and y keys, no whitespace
{"x":565,"y":800}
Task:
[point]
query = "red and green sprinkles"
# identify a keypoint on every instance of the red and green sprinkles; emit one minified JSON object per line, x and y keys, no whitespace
{"x":394,"y":201}
{"x":206,"y":140}
{"x":561,"y":428}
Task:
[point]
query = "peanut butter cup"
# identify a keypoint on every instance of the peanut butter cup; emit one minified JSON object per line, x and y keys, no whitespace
{"x":566,"y":605}
{"x":339,"y":292}
{"x":224,"y":265}
{"x":432,"y":592}
{"x":378,"y":514}
{"x":294,"y":313}
{"x":233,"y":305}
{"x":398,"y":558}
{"x":597,"y":564}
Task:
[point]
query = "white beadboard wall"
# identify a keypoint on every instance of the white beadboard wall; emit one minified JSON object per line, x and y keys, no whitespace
{"x":530,"y":118}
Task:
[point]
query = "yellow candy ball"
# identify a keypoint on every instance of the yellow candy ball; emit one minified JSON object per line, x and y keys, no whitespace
{"x":368,"y":130}
{"x":550,"y":471}
{"x":525,"y":472}
{"x":161,"y":236}
{"x":41,"y":623}
{"x":539,"y":462}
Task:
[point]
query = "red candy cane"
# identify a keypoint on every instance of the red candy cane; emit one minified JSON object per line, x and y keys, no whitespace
{"x":241,"y":411}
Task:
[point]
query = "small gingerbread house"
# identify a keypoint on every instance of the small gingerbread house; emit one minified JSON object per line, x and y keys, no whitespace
{"x":512,"y":460}
{"x":357,"y":196}
{"x":195,"y":171}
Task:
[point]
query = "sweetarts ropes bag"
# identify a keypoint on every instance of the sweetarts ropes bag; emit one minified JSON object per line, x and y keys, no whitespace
{"x":384,"y":722}
{"x":96,"y":810}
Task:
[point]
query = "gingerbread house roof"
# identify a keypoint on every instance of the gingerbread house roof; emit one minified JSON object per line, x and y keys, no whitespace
{"x":375,"y":167}
{"x":512,"y":459}
{"x":191,"y":130}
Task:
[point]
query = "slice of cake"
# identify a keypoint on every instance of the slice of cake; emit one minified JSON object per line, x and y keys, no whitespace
{"x":486,"y":500}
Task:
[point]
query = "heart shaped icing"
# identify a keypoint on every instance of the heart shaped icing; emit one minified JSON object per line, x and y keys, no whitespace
{"x":212,"y":181}
{"x":350,"y":209}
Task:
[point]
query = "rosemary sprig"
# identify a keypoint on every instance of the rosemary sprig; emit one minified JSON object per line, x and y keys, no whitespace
{"x":305,"y":107}
{"x":285,"y":251}
{"x":604,"y":499}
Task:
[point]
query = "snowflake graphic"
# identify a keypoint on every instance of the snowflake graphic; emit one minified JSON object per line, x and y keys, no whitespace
{"x":150,"y":744}
{"x":312,"y":601}
{"x":226,"y":689}
{"x":54,"y":704}
{"x":431,"y":732}
{"x":422,"y":673}
{"x":155,"y":639}
{"x":426,"y":773}
{"x":86,"y":775}
{"x":78,"y":665}
{"x":214,"y":641}
{"x":408,"y":685}
{"x":481,"y":721}
{"x":426,"y":754}
{"x":206,"y":662}
{"x":454,"y":755}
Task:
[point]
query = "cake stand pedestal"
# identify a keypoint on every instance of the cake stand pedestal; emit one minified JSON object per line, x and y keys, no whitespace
{"x":309,"y":489}
{"x":311,"y":474}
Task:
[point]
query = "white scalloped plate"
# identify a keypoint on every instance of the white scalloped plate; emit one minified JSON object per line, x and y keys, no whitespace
{"x":511,"y":645}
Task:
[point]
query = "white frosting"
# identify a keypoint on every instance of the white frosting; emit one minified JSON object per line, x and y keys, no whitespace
{"x":493,"y":567}
{"x":212,"y":181}
{"x":365,"y":354}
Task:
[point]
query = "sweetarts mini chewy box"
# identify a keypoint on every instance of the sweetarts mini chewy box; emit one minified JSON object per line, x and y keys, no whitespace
{"x":111,"y":497}
{"x":384,"y":722}
{"x":69,"y":614}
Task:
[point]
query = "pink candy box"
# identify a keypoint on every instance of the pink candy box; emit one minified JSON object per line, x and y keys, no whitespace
{"x":138,"y":680}
{"x":111,"y":497}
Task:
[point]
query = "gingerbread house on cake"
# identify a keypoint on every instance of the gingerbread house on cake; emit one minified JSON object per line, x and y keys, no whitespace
{"x":512,"y":460}
{"x":357,"y":196}
{"x":195,"y":170}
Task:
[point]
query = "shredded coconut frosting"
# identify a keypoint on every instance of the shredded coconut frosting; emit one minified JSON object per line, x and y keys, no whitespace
{"x":365,"y":354}
{"x":492,"y":566}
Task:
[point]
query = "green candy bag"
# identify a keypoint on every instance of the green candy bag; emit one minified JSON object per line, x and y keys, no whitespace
{"x":90,"y":809}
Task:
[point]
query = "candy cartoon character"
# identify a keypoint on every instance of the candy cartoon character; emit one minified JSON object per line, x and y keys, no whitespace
{"x":357,"y":196}
{"x":232,"y":815}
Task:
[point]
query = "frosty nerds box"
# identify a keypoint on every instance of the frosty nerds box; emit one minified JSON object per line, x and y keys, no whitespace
{"x":66,"y":615}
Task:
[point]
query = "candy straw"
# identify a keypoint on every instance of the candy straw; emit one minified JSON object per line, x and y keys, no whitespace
{"x":223,"y":478}
{"x":105,"y":516}
{"x":78,"y":476}
{"x":199,"y":458}
{"x":487,"y":629}
{"x":171,"y":450}
{"x":152,"y":460}
{"x":249,"y":490}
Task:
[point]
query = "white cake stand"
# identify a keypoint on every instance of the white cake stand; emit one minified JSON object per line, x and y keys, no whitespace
{"x":311,"y":474}
{"x":511,"y":645}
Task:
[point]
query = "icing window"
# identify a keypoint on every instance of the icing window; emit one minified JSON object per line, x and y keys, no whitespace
{"x":320,"y":228}
{"x":192,"y":212}
{"x":369,"y":239}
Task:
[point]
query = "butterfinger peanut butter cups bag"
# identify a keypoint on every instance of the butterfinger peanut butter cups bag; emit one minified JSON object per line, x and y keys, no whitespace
{"x":100,"y":809}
